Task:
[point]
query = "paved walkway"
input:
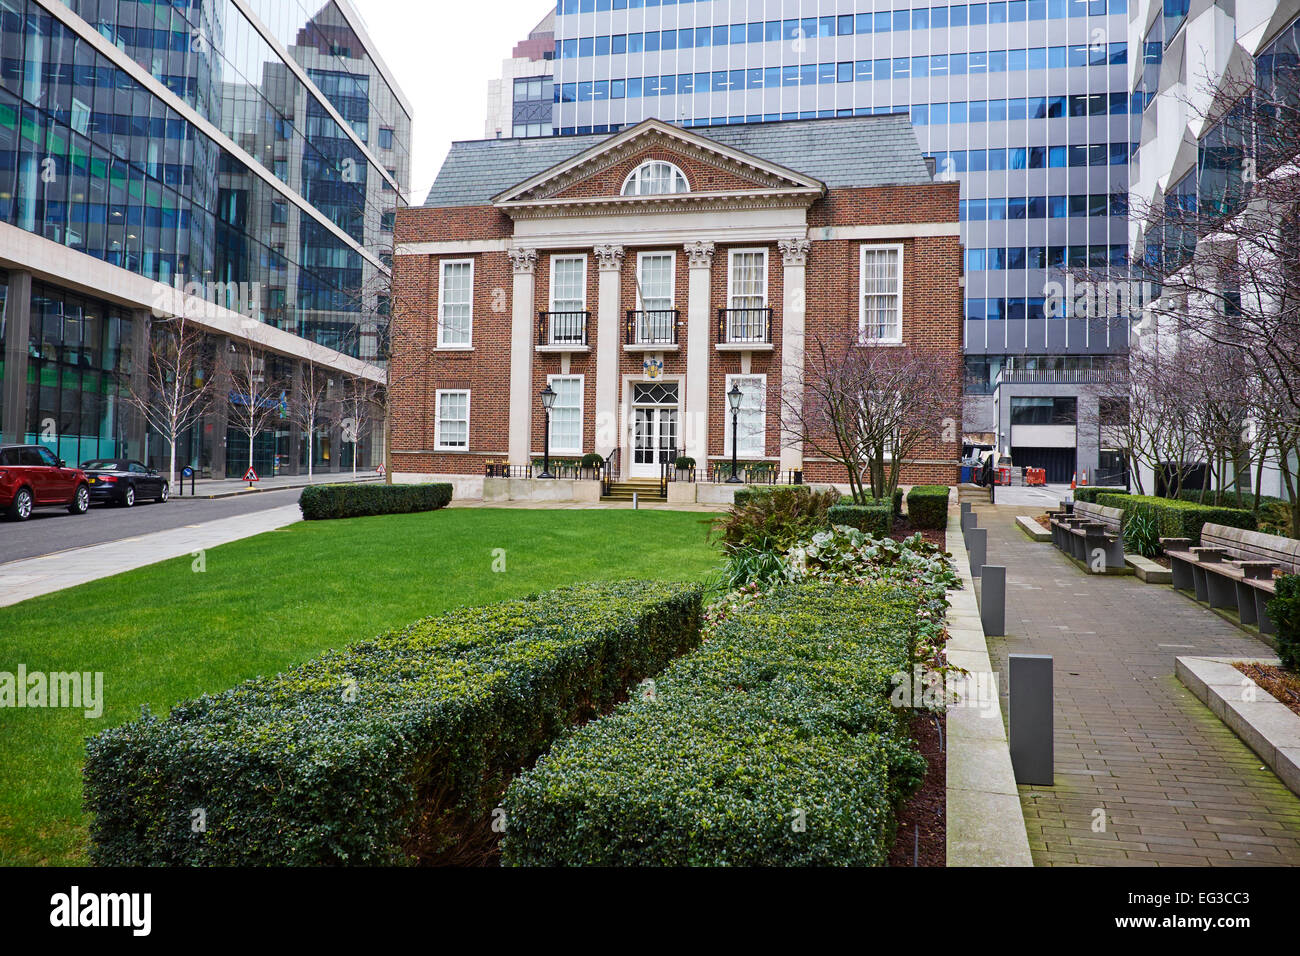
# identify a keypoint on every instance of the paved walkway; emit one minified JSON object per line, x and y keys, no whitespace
{"x":22,"y":580}
{"x":1177,"y":786}
{"x":232,"y":487}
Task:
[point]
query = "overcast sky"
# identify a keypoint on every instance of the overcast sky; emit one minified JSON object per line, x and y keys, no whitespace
{"x":443,"y":52}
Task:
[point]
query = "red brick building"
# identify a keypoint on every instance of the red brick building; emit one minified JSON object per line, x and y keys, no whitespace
{"x":642,"y":275}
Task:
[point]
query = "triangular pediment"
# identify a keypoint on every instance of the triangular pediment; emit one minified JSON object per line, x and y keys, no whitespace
{"x":713,"y":171}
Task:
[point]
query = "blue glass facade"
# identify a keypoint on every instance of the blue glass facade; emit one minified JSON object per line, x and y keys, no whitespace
{"x":1025,"y":102}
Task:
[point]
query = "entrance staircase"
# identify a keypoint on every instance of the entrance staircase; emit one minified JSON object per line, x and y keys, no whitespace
{"x":646,"y":489}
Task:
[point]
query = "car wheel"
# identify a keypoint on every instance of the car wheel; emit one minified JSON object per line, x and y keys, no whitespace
{"x":165,"y":494}
{"x":21,"y":509}
{"x":128,"y":497}
{"x":80,"y":501}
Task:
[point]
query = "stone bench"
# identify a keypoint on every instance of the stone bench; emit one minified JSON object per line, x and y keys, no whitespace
{"x":1233,"y":569}
{"x":1088,"y":529}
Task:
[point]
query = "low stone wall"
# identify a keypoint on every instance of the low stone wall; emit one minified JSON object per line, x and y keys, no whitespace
{"x":540,"y":489}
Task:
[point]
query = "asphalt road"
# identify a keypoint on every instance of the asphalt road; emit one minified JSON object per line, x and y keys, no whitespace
{"x":52,"y":530}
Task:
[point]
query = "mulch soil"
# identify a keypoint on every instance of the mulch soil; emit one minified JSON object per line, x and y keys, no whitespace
{"x":923,"y":823}
{"x":1282,"y":684}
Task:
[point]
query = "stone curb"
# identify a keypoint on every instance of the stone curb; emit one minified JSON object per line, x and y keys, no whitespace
{"x":1033,"y":529}
{"x":986,"y":823}
{"x":1264,"y":724}
{"x":1148,"y":571}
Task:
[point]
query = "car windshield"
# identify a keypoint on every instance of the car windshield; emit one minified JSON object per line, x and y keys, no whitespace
{"x":100,"y":465}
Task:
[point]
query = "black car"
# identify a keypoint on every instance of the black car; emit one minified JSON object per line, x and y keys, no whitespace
{"x":124,"y":482}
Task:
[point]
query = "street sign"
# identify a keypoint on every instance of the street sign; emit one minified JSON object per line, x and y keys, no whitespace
{"x":187,"y":472}
{"x":380,"y":470}
{"x":250,"y":476}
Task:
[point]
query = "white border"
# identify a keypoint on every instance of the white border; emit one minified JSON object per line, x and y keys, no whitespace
{"x":863,"y":338}
{"x":442,"y":275}
{"x":726,"y":439}
{"x":582,"y":411}
{"x":437,"y":419}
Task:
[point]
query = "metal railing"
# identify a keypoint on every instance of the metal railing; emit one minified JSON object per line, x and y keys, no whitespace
{"x":1058,"y":376}
{"x":652,"y":327}
{"x":744,"y":326}
{"x":610,"y":470}
{"x":556,"y":329}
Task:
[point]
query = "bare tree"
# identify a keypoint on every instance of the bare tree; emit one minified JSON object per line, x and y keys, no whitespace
{"x":355,"y":410}
{"x":870,"y":409}
{"x":177,"y":389}
{"x":310,"y":396}
{"x":255,"y":395}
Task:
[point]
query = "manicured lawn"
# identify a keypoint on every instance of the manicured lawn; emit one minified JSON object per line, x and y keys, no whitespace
{"x":166,"y":633}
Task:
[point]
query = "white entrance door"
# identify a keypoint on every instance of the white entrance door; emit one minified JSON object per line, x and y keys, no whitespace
{"x":654,"y":428}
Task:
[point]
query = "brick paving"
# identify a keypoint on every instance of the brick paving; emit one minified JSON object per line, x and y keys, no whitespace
{"x":1176,"y":785}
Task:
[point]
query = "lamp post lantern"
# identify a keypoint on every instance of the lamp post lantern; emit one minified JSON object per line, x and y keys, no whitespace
{"x":734,"y":398}
{"x":548,"y":402}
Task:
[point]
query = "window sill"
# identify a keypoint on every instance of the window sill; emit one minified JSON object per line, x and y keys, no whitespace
{"x":454,"y":348}
{"x":651,"y":348}
{"x":879,"y":343}
{"x":744,"y":347}
{"x":554,"y":349}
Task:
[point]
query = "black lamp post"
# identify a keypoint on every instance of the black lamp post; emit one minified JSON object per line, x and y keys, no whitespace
{"x":548,"y":402}
{"x":734,"y":397}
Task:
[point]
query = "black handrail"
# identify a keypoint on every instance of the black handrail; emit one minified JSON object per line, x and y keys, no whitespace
{"x":652,"y":326}
{"x":744,"y":326}
{"x":562,"y":328}
{"x":667,"y":469}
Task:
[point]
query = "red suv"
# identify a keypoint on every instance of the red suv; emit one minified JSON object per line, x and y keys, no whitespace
{"x":31,"y":477}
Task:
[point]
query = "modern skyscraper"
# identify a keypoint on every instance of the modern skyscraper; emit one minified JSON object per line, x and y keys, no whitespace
{"x":252,"y":149}
{"x":1026,"y":102}
{"x":521,"y":102}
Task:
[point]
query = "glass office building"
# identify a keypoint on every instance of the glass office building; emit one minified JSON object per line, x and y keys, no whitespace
{"x":1026,"y":102}
{"x":257,"y":148}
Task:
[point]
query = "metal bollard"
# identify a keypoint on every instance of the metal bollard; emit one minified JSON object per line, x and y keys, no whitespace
{"x":1030,"y":711}
{"x":977,"y":543}
{"x":969,"y":520}
{"x":993,"y":600}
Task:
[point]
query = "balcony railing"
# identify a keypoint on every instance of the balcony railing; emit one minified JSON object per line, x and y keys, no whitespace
{"x":652,"y":327}
{"x":1060,"y":376}
{"x":744,"y":326}
{"x":562,"y":329}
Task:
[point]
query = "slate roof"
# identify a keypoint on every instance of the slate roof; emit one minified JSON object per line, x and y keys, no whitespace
{"x":843,"y":152}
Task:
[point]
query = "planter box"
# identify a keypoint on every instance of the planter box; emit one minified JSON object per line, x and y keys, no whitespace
{"x":1265,"y":725}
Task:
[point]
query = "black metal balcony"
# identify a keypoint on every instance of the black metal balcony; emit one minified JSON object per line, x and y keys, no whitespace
{"x":744,"y":326}
{"x":562,"y":329}
{"x":652,"y":327}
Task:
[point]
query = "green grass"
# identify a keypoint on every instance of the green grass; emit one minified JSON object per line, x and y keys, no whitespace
{"x":165,"y":633}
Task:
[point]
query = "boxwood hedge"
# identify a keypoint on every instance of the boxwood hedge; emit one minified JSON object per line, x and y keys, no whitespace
{"x":927,"y":506}
{"x":875,"y":518}
{"x":1284,"y":609}
{"x":773,"y":745}
{"x":320,"y":502}
{"x":1174,"y":518}
{"x":395,"y":750}
{"x":1091,"y":493}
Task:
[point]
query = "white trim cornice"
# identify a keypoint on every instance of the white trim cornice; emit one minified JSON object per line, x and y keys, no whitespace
{"x":916,"y":230}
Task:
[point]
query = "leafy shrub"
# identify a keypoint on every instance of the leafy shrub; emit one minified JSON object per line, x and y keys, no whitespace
{"x":1091,"y":493}
{"x":1141,"y":536}
{"x":774,"y":518}
{"x":392,"y":751}
{"x":1275,"y":518}
{"x":927,"y":506}
{"x":782,"y":717}
{"x":846,"y":554}
{"x":592,"y":460}
{"x":1174,"y":518}
{"x":874,"y":518}
{"x":1227,"y":499}
{"x":321,"y":502}
{"x":1284,"y":609}
{"x":684,"y":463}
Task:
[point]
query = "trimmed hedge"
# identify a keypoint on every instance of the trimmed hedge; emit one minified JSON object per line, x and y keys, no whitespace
{"x":393,"y":751}
{"x":1228,"y":498}
{"x":321,"y":502}
{"x":1284,"y":609}
{"x":773,"y":745}
{"x":1177,"y":519}
{"x":876,"y":518}
{"x":927,"y":506}
{"x":1091,"y":493}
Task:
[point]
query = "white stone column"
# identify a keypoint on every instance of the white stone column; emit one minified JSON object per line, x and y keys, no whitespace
{"x":609,"y":260}
{"x":521,"y":355}
{"x":794,"y":253}
{"x":695,"y":427}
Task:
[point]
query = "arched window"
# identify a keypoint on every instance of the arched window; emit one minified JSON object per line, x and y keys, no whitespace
{"x":656,"y":178}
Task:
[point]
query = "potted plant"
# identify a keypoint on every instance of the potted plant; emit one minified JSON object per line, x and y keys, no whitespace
{"x":685,"y":466}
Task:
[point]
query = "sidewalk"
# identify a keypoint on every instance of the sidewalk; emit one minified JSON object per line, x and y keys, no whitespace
{"x":210,"y":488}
{"x":1175,"y":784}
{"x":22,"y":580}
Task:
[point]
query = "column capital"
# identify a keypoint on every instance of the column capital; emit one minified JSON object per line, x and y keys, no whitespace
{"x":609,"y":258}
{"x":700,"y":254}
{"x":794,"y":252}
{"x":523,"y":260}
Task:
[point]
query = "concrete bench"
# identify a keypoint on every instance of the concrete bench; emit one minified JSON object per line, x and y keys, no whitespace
{"x":1088,"y":529}
{"x":1233,"y":569}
